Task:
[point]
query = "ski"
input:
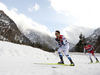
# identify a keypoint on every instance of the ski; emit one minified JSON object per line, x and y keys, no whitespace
{"x":54,"y":64}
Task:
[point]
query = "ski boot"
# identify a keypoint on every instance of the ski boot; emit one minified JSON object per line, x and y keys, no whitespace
{"x":72,"y":64}
{"x":91,"y":60}
{"x":61,"y":62}
{"x":97,"y":60}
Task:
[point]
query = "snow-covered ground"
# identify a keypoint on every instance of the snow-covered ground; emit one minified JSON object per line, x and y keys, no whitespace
{"x":18,"y":60}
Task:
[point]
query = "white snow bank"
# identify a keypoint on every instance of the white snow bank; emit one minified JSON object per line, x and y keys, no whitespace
{"x":18,"y":59}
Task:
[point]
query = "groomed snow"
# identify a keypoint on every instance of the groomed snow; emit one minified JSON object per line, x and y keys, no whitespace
{"x":18,"y":59}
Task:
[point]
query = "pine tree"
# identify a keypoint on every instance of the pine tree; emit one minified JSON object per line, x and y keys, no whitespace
{"x":80,"y":45}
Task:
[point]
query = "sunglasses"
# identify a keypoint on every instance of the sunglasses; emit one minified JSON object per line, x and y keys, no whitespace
{"x":56,"y":33}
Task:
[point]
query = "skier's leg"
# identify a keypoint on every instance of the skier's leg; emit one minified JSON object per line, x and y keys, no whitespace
{"x":70,"y":60}
{"x":90,"y":57}
{"x":66,"y":50}
{"x":95,"y":56}
{"x":61,"y":57}
{"x":97,"y":60}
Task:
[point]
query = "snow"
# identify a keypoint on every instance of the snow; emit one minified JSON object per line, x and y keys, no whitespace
{"x":18,"y":59}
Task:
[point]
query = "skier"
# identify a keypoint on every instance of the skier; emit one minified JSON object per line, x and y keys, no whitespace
{"x":90,"y":50}
{"x":63,"y":46}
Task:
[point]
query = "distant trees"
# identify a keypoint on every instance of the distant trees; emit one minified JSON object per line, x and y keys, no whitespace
{"x":80,"y":45}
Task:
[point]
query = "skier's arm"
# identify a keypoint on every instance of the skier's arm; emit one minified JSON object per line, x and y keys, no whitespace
{"x":93,"y":49}
{"x":64,"y":40}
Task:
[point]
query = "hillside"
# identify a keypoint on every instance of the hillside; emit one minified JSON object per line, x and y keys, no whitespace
{"x":10,"y":32}
{"x":94,"y":39}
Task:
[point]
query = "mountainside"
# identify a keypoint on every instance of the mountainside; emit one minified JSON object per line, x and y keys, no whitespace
{"x":10,"y":32}
{"x":41,"y":40}
{"x":94,"y":39}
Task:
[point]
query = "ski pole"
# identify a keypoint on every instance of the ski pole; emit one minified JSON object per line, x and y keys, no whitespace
{"x":71,"y":43}
{"x":97,"y":48}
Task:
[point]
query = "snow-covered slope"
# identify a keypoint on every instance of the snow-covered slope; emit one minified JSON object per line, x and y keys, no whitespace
{"x":92,"y":38}
{"x":41,"y":38}
{"x":18,"y":60}
{"x":10,"y":32}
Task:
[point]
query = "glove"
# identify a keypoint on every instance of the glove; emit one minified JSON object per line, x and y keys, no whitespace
{"x":57,"y":39}
{"x":64,"y":44}
{"x":60,"y":45}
